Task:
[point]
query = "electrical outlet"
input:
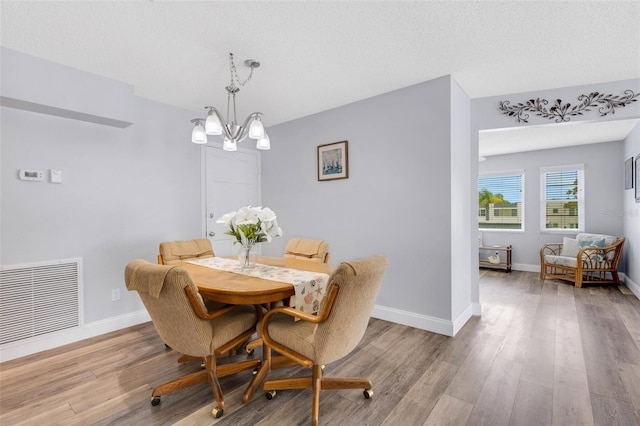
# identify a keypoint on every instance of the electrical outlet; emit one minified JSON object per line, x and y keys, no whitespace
{"x":115,"y":294}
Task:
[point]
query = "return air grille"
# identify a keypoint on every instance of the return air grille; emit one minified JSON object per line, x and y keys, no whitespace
{"x":40,"y":299}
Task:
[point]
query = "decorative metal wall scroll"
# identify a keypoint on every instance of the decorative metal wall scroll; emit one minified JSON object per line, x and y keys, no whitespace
{"x":606,"y":104}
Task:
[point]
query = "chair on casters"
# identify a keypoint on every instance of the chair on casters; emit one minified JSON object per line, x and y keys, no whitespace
{"x":302,"y":248}
{"x":299,"y":248}
{"x":184,"y":323}
{"x":172,"y":252}
{"x":314,"y":341}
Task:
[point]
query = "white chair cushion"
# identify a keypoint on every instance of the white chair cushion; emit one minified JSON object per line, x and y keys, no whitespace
{"x":571,"y":262}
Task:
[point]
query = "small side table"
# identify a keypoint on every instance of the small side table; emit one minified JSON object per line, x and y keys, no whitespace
{"x":502,"y":253}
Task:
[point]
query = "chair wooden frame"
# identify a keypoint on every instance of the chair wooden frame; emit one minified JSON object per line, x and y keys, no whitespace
{"x":316,"y":381}
{"x":594,"y":265}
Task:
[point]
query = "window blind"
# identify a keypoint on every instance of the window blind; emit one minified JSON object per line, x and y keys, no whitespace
{"x":500,"y":202}
{"x":562,"y":201}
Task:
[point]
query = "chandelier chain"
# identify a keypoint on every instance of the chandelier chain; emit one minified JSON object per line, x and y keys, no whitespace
{"x":234,"y":73}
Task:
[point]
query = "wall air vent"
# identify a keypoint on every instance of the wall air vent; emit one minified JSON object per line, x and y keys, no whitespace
{"x":39,"y":299}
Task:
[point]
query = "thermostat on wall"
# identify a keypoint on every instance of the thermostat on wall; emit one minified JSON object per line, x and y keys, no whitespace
{"x":32,"y":175}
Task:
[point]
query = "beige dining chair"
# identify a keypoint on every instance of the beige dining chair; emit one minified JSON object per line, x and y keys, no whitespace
{"x":184,"y":324}
{"x":298,"y":248}
{"x":314,"y":341}
{"x":303,"y":248}
{"x":172,"y":252}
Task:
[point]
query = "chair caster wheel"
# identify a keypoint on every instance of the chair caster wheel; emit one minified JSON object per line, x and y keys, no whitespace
{"x":368,"y":393}
{"x":155,"y":400}
{"x":255,"y":371}
{"x":217,"y":412}
{"x":270,"y":395}
{"x":250,"y":351}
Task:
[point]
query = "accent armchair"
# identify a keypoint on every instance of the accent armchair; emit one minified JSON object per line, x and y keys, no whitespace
{"x":587,"y":259}
{"x":184,"y":323}
{"x":314,"y":341}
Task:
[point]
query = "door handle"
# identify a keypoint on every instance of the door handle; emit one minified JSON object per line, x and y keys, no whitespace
{"x":212,"y":234}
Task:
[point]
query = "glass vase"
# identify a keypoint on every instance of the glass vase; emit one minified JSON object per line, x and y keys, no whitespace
{"x":247,"y":256}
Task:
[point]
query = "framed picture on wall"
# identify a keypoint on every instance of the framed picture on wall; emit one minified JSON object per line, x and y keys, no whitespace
{"x":637,"y":178}
{"x":333,"y":161}
{"x":628,"y":173}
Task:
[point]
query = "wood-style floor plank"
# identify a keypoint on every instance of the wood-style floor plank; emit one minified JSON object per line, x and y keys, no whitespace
{"x":532,"y":406}
{"x":542,"y":353}
{"x":571,"y":399}
{"x":449,"y":411}
{"x":495,"y":402}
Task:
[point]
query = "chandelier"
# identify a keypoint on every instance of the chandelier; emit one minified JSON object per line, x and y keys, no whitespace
{"x":231,"y":132}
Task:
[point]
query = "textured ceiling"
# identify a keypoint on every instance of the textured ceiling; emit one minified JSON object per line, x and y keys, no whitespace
{"x":319,"y":55}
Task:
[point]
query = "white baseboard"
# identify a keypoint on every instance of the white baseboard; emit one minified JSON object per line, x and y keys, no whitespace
{"x":634,"y":287}
{"x":525,"y":267}
{"x":424,"y":322}
{"x":462,"y":319}
{"x":34,"y":345}
{"x":476,"y":309}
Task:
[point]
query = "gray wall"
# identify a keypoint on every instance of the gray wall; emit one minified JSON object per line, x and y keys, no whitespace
{"x":631,"y":218}
{"x":603,"y":195}
{"x":123,"y":190}
{"x":397,"y":198}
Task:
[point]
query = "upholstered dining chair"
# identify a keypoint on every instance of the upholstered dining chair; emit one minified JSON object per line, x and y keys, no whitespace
{"x":302,"y":248}
{"x":172,"y":252}
{"x":299,"y":248}
{"x":314,"y":341}
{"x":184,"y":323}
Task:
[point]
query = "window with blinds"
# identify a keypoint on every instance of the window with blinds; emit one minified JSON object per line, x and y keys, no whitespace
{"x":501,"y":201}
{"x":562,"y":198}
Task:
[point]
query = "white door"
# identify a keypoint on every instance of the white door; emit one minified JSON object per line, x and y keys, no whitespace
{"x":231,"y":182}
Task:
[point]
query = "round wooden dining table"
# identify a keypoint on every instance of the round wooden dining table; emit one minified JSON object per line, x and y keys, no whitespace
{"x":237,"y":289}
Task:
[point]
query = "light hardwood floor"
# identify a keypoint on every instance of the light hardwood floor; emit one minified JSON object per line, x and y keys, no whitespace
{"x":543,"y":353}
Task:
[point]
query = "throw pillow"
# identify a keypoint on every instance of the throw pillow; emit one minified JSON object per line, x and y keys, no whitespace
{"x":570,"y":247}
{"x":591,"y":243}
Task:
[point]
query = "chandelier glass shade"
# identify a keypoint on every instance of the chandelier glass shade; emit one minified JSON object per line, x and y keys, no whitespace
{"x":232,"y":133}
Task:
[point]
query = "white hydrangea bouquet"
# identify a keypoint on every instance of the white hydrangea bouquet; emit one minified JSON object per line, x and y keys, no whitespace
{"x":251,"y":225}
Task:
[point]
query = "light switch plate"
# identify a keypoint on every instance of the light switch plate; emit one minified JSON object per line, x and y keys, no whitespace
{"x":56,"y":176}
